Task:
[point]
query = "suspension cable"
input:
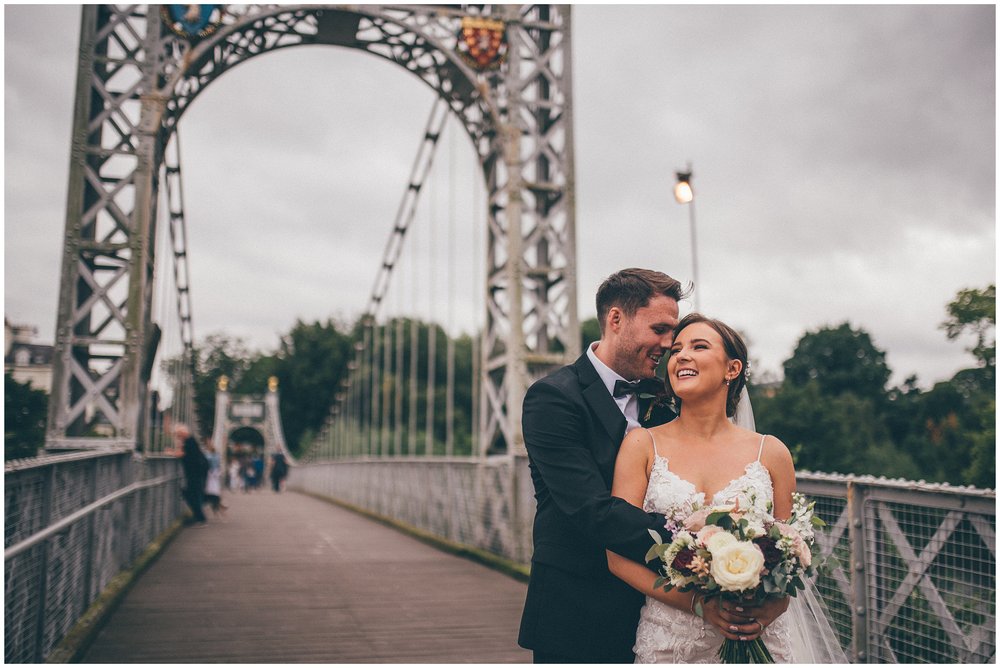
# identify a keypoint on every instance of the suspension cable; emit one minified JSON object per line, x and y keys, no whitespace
{"x":449,"y":406}
{"x":404,"y":217}
{"x":178,"y":240}
{"x":397,"y":440}
{"x":477,"y":305}
{"x":407,"y":207}
{"x":431,"y":326}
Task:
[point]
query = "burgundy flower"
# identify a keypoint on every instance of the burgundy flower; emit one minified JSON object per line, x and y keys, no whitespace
{"x":769,"y":547}
{"x":682,"y":562}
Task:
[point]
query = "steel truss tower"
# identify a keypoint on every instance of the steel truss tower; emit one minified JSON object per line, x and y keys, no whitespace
{"x":140,"y":67}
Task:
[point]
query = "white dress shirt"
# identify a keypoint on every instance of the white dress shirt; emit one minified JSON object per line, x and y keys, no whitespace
{"x":629,"y":404}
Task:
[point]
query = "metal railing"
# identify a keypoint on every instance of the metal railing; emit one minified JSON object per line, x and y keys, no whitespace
{"x":917,"y":562}
{"x":915,"y":583}
{"x":72,"y":523}
{"x":917,"y":576}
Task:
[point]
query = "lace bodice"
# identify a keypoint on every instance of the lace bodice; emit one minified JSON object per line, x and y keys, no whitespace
{"x":677,"y":498}
{"x":666,"y":634}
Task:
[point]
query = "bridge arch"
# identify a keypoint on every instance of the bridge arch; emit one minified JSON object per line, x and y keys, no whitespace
{"x":135,"y":79}
{"x":380,"y":32}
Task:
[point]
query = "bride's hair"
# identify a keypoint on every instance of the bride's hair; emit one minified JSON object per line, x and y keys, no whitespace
{"x":735,"y":349}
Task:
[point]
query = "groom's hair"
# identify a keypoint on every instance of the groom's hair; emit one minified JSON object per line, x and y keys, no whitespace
{"x":632,"y":289}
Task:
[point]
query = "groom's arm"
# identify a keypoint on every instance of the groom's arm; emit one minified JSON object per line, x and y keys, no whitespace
{"x":554,"y":435}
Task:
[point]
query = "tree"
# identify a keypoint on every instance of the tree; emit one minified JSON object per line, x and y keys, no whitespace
{"x":310,"y":364}
{"x":218,"y":356}
{"x":831,"y":433}
{"x":950,"y":430}
{"x":981,"y":470}
{"x":975,"y":311}
{"x":830,"y":408}
{"x":590,"y":331}
{"x":25,"y":414}
{"x":839,"y":360}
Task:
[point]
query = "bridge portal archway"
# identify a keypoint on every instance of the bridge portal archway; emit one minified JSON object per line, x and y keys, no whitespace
{"x":504,"y":72}
{"x":256,"y":416}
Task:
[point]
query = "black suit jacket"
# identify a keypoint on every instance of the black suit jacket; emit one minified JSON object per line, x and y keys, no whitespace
{"x":575,"y":606}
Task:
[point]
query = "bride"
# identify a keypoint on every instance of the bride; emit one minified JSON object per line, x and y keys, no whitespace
{"x":703,"y":457}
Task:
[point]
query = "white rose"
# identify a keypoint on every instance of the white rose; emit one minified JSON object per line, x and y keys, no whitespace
{"x":737,"y":566}
{"x":719,"y":540}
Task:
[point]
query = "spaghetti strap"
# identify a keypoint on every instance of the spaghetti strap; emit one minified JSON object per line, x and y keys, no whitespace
{"x":759,"y":452}
{"x":653,"y":438}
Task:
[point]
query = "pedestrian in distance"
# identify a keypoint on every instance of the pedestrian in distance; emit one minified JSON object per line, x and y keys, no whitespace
{"x":195,"y":466}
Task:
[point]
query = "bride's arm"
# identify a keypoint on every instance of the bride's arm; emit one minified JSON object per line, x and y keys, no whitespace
{"x":778,"y":461}
{"x":630,"y":482}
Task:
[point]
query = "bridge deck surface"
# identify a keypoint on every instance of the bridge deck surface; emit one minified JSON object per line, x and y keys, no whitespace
{"x":289,"y":578}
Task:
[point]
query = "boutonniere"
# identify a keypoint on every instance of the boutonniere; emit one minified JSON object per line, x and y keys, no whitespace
{"x":658,"y":399}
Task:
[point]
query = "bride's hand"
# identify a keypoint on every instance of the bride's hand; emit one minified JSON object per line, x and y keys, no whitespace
{"x":750,"y":620}
{"x":738,"y":621}
{"x":731,"y":622}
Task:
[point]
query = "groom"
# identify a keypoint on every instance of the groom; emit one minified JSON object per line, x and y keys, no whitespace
{"x":574,"y":421}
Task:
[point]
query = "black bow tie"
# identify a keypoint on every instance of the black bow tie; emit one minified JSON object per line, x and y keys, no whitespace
{"x":637,"y":387}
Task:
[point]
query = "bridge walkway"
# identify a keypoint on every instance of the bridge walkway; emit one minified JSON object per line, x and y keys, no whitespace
{"x":290,"y":578}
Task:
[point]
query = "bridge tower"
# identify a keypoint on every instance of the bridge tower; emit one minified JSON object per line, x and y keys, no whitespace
{"x":260,"y":412}
{"x":503,"y":70}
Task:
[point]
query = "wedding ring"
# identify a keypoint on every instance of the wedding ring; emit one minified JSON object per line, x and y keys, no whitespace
{"x":760,"y":625}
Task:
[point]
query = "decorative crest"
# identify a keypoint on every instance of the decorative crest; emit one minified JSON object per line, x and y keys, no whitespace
{"x":193,"y":21}
{"x":482,"y":42}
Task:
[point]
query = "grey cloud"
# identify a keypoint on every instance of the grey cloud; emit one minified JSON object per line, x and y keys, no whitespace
{"x":844,"y":161}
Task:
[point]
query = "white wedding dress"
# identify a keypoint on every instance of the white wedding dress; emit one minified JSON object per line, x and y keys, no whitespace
{"x":668,"y":635}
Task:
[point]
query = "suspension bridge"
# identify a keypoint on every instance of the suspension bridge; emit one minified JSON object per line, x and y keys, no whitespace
{"x":916,"y":579}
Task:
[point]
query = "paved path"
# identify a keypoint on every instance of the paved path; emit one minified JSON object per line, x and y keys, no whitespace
{"x":288,"y":578}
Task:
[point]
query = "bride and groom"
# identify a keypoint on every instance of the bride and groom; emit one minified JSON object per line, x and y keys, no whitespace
{"x":610,"y":462}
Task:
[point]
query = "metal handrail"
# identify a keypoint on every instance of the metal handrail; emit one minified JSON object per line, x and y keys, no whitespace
{"x":71,"y":519}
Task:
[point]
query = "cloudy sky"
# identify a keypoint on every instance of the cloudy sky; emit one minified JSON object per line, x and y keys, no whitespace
{"x":844,"y":161}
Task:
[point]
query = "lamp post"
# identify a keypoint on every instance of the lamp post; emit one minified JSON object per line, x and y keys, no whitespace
{"x":684,"y":194}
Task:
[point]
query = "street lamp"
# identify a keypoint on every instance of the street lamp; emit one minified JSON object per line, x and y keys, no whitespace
{"x":684,"y":194}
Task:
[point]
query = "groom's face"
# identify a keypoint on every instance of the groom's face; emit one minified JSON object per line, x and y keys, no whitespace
{"x":641,"y":340}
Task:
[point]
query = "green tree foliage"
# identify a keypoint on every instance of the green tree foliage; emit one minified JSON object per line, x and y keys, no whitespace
{"x":833,"y":410}
{"x":25,"y":412}
{"x":312,"y":362}
{"x":219,"y":355}
{"x":840,"y":433}
{"x":841,"y":360}
{"x":309,"y":365}
{"x":590,"y":331}
{"x":975,"y":311}
{"x":420,"y":337}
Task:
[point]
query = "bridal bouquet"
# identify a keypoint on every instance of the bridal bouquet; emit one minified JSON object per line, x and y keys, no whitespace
{"x":740,"y":553}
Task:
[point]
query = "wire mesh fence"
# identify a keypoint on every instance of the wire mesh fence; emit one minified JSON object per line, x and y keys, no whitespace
{"x":72,"y":523}
{"x":914,"y":580}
